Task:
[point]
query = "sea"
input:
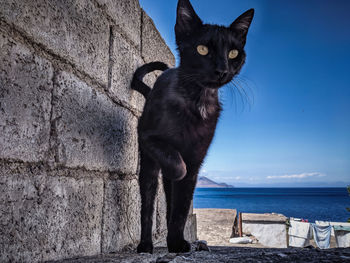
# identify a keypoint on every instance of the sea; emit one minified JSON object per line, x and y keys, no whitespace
{"x":326,"y":204}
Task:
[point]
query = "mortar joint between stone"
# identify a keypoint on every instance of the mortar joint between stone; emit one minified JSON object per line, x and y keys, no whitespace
{"x":12,"y":163}
{"x":102,"y":217}
{"x":53,"y":143}
{"x":110,"y":57}
{"x":141,"y":33}
{"x":116,"y":27}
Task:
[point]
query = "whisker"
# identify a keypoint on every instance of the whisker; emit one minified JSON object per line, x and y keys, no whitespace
{"x":248,"y":84}
{"x":239,"y":88}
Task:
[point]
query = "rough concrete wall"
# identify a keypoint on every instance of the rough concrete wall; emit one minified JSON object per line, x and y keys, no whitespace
{"x":268,"y":234}
{"x":68,"y":143}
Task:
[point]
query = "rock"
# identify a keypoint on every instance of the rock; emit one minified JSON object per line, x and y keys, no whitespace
{"x":215,"y":225}
{"x":126,"y":59}
{"x":269,"y":229}
{"x":25,"y":102}
{"x":201,"y":245}
{"x":153,"y":45}
{"x":75,"y":30}
{"x":121,"y":219}
{"x":127,"y":15}
{"x":91,"y":131}
{"x":190,"y":232}
{"x":48,"y":214}
{"x":167,"y":258}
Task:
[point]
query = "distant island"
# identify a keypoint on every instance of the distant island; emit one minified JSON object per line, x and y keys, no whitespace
{"x":204,"y":182}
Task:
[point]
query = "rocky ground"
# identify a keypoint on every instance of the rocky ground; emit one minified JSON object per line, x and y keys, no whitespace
{"x":224,"y":254}
{"x":217,"y":235}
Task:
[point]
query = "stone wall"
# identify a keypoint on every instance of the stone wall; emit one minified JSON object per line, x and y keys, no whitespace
{"x":68,"y":143}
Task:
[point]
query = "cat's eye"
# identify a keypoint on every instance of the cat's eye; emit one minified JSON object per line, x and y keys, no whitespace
{"x":233,"y":54}
{"x":203,"y":50}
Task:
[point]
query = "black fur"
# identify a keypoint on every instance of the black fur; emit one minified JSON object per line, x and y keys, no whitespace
{"x":180,"y":116}
{"x":137,"y":83}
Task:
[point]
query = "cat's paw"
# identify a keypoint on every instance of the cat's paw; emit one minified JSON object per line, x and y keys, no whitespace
{"x":176,"y":169}
{"x":145,"y":247}
{"x":179,"y":246}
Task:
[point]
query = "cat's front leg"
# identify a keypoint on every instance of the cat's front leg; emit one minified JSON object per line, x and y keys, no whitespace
{"x":168,"y":190}
{"x":170,"y":160}
{"x":148,"y":181}
{"x":182,"y":194}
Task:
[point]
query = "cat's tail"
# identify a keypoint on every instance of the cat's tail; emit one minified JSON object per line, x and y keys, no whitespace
{"x":137,"y":83}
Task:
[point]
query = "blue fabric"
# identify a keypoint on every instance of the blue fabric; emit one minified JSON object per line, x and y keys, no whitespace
{"x":322,"y":235}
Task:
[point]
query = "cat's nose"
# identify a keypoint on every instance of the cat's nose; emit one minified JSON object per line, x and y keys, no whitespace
{"x":221,"y":73}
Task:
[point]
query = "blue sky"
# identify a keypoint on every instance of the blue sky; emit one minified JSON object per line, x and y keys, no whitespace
{"x":294,"y":127}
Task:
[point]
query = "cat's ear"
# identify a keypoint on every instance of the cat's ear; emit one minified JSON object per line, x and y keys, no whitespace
{"x":242,"y":23}
{"x":186,"y":20}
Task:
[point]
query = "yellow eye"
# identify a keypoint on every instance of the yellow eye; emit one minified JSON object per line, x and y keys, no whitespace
{"x":233,"y":54}
{"x":203,"y":50}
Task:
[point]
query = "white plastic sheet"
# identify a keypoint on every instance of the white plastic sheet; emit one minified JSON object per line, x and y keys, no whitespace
{"x":241,"y":240}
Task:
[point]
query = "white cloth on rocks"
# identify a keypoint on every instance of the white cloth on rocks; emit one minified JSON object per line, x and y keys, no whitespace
{"x":299,"y":234}
{"x":342,"y":235}
{"x":342,"y":238}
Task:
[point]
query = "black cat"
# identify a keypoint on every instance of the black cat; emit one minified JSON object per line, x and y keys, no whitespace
{"x":180,"y":116}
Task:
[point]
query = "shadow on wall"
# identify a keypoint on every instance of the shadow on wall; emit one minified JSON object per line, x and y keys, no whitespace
{"x":91,"y":130}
